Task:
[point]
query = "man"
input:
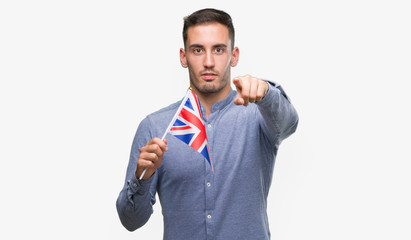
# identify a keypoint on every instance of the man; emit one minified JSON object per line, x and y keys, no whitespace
{"x":244,"y":130}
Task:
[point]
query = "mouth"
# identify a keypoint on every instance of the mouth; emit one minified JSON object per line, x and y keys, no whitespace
{"x":208,"y":75}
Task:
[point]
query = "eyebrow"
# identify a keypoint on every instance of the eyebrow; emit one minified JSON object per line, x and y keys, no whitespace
{"x":214,"y":46}
{"x":195,"y":46}
{"x":220,"y":46}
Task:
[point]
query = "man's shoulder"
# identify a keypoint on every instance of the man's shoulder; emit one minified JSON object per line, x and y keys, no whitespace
{"x":165,"y":112}
{"x":158,"y":121}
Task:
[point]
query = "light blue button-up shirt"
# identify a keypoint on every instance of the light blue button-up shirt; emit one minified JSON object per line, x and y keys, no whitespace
{"x":197,"y":204}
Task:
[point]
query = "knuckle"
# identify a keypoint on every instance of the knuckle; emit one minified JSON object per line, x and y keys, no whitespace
{"x":153,"y":156}
{"x":150,"y":164}
{"x":153,"y":141}
{"x":141,"y":156}
{"x":156,"y":147}
{"x":144,"y":164}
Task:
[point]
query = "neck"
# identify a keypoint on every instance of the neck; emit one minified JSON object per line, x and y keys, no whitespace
{"x":208,"y":99}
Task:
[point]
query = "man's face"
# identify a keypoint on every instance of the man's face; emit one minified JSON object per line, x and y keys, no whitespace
{"x":209,"y":57}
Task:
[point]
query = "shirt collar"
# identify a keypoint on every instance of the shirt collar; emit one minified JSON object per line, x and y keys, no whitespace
{"x":223,"y":103}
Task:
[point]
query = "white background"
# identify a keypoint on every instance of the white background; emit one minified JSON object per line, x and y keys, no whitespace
{"x":77,"y":77}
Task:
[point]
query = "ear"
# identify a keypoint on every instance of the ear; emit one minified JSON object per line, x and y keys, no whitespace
{"x":235,"y":57}
{"x":183,"y":59}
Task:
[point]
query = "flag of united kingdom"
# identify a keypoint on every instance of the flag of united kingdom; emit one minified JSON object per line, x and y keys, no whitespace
{"x":189,"y":126}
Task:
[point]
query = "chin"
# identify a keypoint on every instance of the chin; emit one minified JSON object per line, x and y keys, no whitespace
{"x":206,"y":90}
{"x":209,"y":87}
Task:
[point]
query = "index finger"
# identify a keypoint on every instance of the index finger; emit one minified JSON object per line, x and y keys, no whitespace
{"x":237,"y":82}
{"x":161,"y":143}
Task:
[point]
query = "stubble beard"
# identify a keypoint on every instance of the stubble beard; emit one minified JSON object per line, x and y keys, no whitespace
{"x":209,"y":87}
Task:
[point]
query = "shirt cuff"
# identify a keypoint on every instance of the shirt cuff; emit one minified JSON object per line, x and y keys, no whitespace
{"x":273,"y":89}
{"x":136,"y":186}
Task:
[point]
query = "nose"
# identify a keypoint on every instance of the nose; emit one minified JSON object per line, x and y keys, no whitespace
{"x":209,"y":60}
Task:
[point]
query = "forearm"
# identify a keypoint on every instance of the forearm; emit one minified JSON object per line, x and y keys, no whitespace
{"x":136,"y":199}
{"x":135,"y":203}
{"x":279,"y":117}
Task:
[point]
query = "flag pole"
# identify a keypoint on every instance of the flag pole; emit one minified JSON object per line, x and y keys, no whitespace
{"x":171,"y":123}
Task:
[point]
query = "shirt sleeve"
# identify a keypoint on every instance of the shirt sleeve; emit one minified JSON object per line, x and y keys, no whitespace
{"x":136,"y":199}
{"x":279,"y":117}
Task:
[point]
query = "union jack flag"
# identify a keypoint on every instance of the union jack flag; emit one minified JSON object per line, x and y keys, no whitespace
{"x":188,"y":126}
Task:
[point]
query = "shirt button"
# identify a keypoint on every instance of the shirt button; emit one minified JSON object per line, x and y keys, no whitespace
{"x":208,"y":184}
{"x":209,"y":125}
{"x":209,"y":216}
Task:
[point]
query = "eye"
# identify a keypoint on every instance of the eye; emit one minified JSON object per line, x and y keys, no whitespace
{"x":197,"y":51}
{"x":219,"y":50}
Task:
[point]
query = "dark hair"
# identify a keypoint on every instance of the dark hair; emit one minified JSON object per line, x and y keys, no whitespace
{"x":208,"y":15}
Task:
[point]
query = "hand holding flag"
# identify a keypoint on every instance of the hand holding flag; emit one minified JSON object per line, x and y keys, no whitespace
{"x":151,"y":156}
{"x":188,"y":126}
